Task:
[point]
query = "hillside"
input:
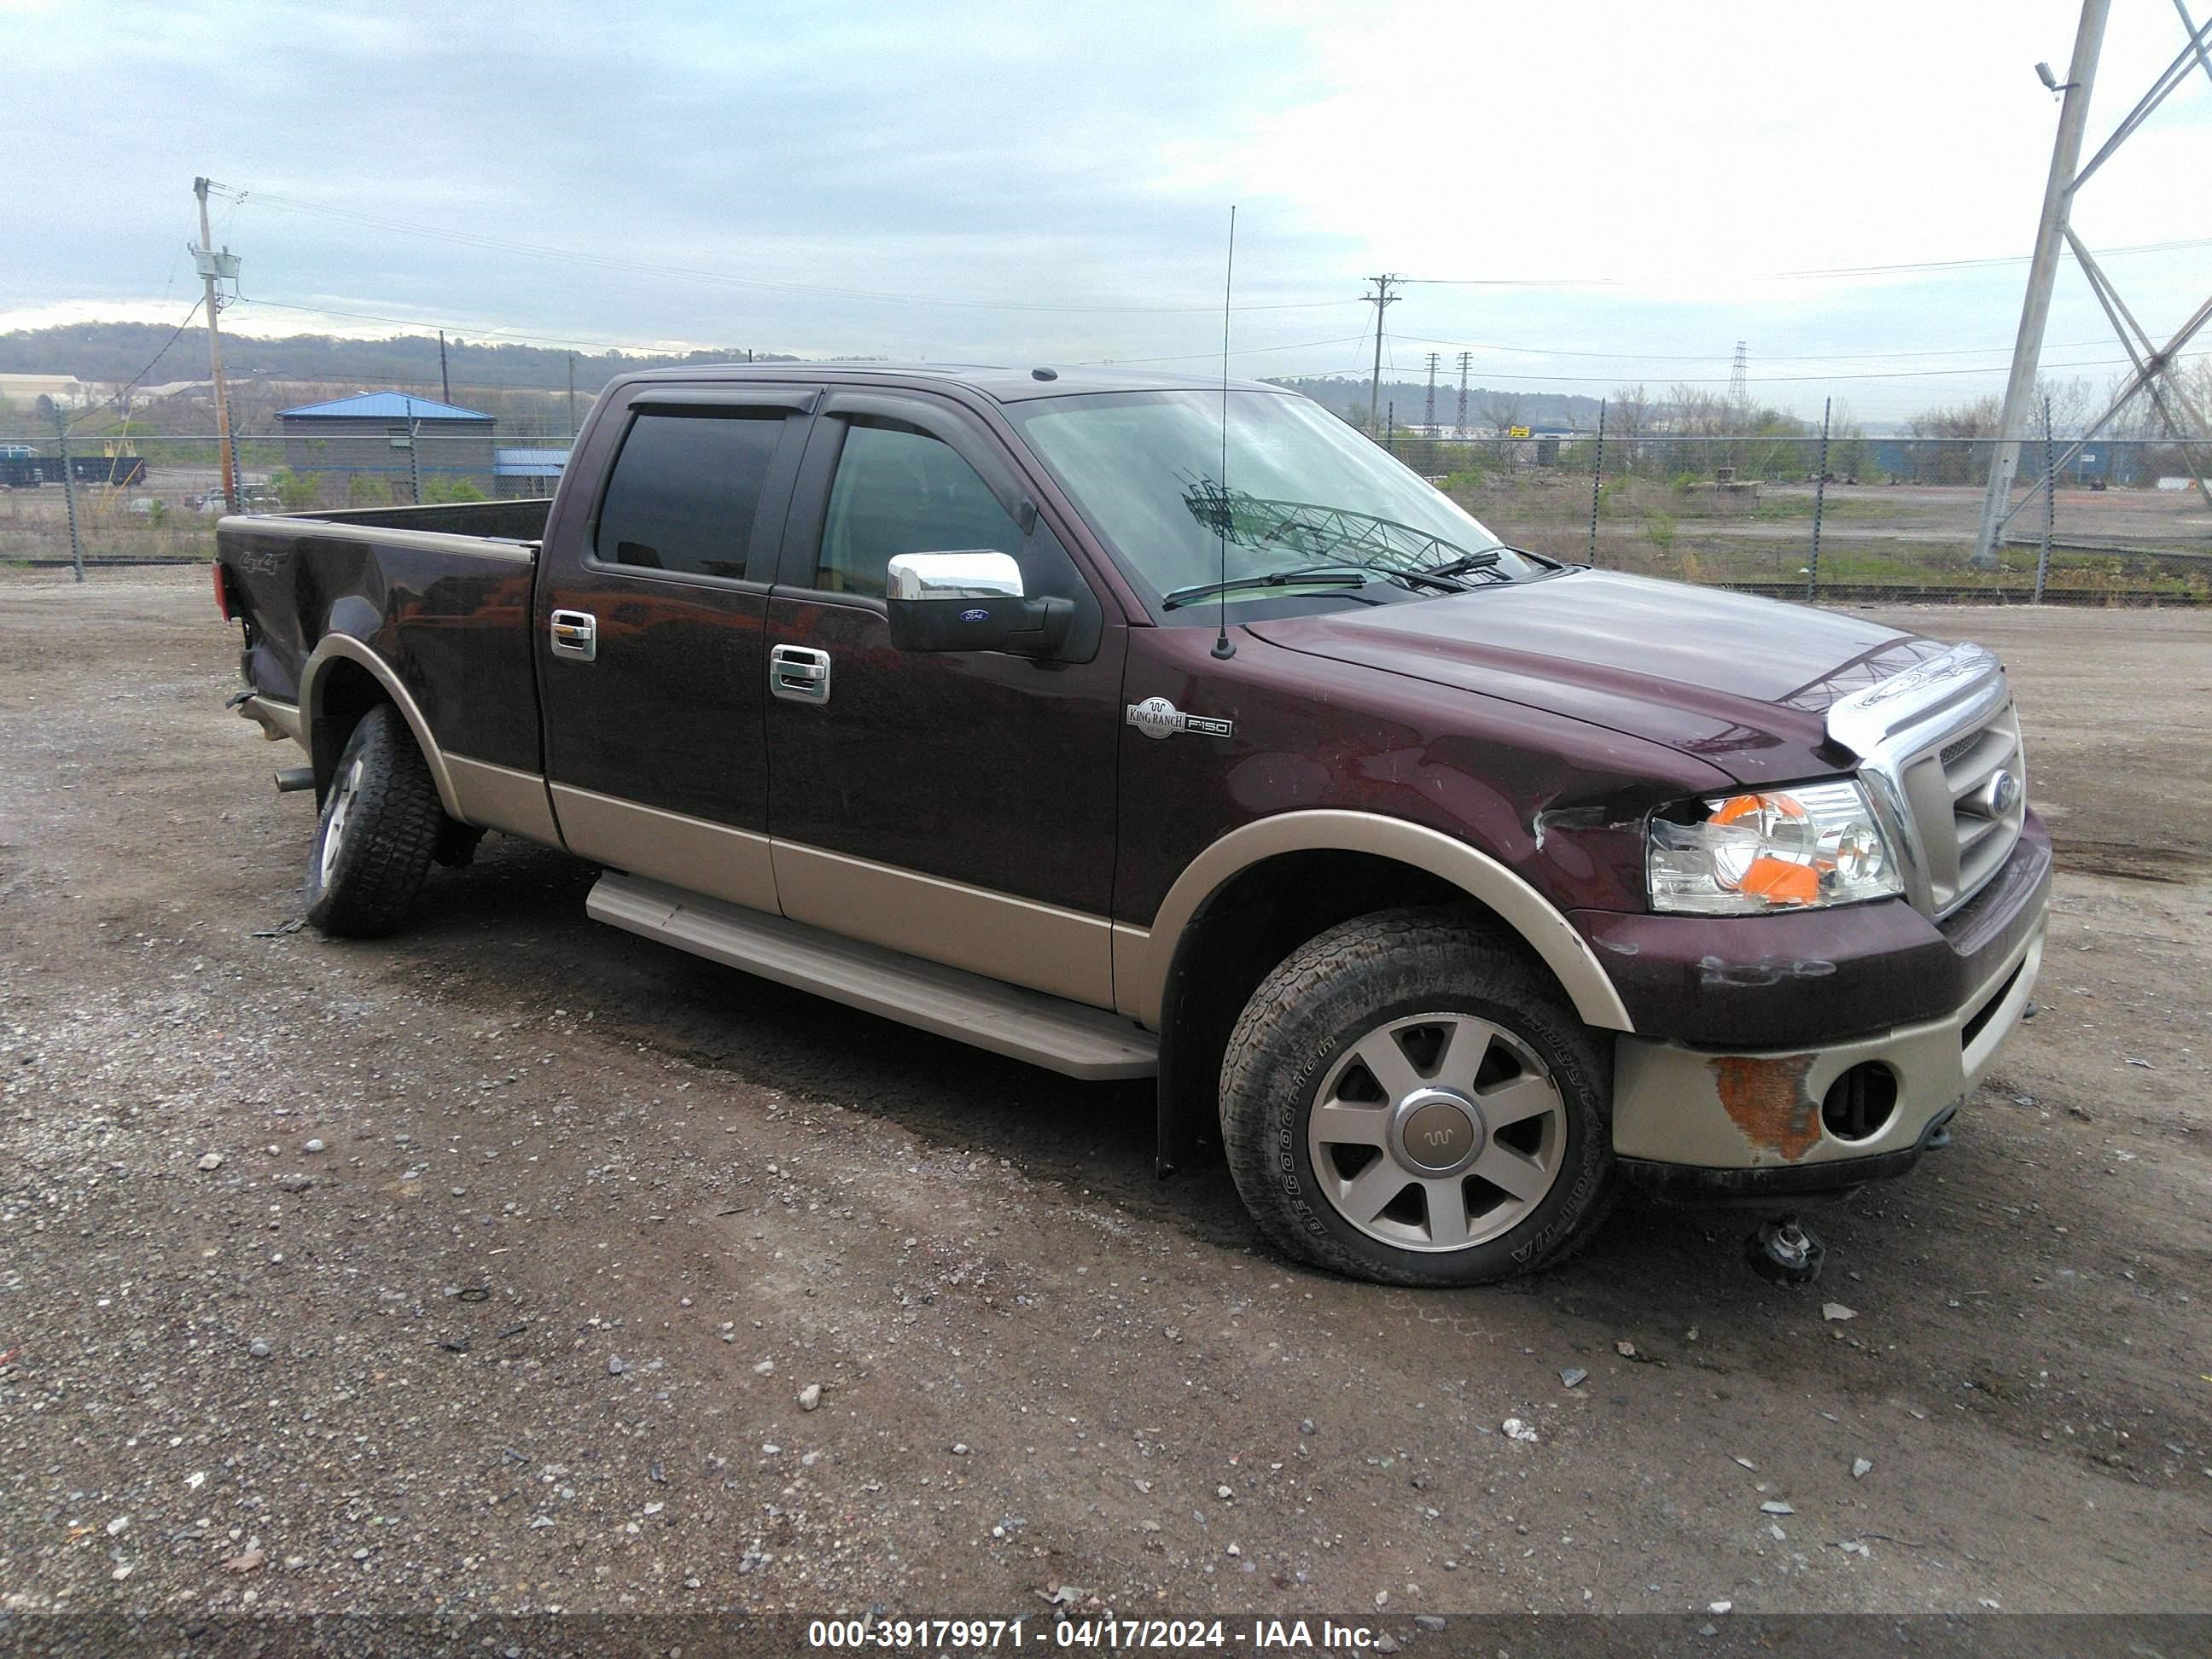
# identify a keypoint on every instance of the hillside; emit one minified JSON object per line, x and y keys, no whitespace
{"x":1348,"y":396}
{"x":111,"y":354}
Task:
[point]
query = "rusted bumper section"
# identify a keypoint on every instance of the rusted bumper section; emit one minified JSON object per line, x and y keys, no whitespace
{"x":1782,"y":1121}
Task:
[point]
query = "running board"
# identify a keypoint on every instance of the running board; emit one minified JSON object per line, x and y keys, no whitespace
{"x":1068,"y":1037}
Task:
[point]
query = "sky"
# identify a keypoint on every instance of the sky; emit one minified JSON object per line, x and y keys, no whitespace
{"x":1585,"y":195}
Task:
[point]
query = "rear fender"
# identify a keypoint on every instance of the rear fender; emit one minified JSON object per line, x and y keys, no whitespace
{"x":326,"y":739}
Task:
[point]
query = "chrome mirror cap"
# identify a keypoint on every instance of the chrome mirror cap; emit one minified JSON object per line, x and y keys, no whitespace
{"x":978,"y":573}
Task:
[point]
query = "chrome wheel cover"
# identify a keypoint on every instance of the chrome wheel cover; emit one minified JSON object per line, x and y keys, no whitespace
{"x":1437,"y":1133}
{"x":343,"y":797}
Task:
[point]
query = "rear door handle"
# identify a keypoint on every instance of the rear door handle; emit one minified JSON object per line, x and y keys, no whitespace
{"x":798,"y":673}
{"x":577,"y":635}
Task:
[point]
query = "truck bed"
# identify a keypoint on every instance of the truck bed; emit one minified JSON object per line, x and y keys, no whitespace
{"x":440,"y":594}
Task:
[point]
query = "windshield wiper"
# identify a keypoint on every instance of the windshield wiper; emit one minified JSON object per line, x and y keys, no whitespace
{"x":1327,"y":575}
{"x":1486,"y":558}
{"x":1443,"y":577}
{"x":1465,"y":564}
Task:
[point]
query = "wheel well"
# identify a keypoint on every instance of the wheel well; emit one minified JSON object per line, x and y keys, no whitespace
{"x":1246,"y":927}
{"x":344,"y":692}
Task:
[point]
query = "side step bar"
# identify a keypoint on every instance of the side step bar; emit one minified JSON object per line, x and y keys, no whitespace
{"x":1063,"y":1037}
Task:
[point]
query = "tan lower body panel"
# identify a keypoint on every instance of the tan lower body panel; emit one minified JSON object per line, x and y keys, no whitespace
{"x":1721,"y":1111}
{"x":500,"y":798}
{"x":1063,"y":953}
{"x":689,"y":853}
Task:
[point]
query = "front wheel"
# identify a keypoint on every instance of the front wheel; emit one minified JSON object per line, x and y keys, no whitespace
{"x":1409,"y":1100}
{"x":380,"y":823}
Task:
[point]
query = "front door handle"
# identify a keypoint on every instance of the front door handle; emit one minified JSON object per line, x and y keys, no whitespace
{"x":799,"y":673}
{"x":577,"y":635}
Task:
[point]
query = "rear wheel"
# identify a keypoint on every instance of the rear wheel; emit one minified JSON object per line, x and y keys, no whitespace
{"x":1409,"y":1100}
{"x":380,"y":823}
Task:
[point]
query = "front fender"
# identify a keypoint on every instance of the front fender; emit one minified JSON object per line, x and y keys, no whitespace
{"x":1143,"y":955}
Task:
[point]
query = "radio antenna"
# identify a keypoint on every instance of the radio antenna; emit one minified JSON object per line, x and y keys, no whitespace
{"x":1222,"y":648}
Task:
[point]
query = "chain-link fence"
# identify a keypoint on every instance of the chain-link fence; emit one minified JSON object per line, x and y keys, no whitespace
{"x":155,"y":500}
{"x":1890,"y":518}
{"x":1895,"y":518}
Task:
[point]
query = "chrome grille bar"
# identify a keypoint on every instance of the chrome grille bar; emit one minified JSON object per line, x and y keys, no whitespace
{"x":1939,"y":752}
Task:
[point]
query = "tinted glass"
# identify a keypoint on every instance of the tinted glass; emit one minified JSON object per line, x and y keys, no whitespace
{"x":901,"y":491}
{"x":685,"y":492}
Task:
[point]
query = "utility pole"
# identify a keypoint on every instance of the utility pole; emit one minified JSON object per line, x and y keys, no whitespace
{"x":1465,"y":359}
{"x":572,"y":397}
{"x":1597,"y":480}
{"x":445,"y":380}
{"x":213,"y":267}
{"x":2050,"y":502}
{"x":69,"y":491}
{"x":1381,"y":299}
{"x":2042,"y":270}
{"x":1429,"y":417}
{"x":1820,"y":501}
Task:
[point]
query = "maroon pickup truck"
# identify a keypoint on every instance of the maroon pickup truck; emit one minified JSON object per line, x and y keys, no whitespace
{"x":1138,"y":728}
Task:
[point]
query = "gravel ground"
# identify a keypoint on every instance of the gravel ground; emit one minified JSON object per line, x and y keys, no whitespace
{"x":516,"y":1264}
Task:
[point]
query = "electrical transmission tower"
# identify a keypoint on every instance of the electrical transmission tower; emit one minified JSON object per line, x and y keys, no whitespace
{"x":1381,"y":299}
{"x":1429,"y":418}
{"x":2152,"y":363}
{"x":1465,"y":358}
{"x":1739,"y":385}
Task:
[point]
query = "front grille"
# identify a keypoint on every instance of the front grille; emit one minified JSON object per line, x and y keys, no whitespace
{"x":1940,"y":754}
{"x":1968,"y":799}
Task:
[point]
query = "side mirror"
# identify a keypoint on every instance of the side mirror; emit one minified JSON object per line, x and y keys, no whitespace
{"x":970,"y":601}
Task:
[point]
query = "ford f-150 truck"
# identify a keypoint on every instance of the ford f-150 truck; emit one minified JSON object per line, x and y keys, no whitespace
{"x":1144,"y":728}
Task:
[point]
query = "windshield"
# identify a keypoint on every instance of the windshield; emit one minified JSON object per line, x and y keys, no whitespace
{"x":1304,"y":491}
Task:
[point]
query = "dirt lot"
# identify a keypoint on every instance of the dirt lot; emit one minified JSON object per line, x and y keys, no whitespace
{"x":485,"y":1268}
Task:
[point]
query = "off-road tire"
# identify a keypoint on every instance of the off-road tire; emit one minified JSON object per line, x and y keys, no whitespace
{"x":1347,"y":984}
{"x":389,"y":821}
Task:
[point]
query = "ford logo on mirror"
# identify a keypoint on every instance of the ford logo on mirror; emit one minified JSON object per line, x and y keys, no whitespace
{"x":974,"y":616}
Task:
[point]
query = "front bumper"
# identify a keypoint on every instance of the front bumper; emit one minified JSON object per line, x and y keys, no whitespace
{"x":1742,"y":1120}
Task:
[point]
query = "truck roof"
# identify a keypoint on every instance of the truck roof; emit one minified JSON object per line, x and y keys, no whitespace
{"x":1001,"y":383}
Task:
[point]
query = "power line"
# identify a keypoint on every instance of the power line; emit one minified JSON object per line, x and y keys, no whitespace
{"x":1723,"y":356}
{"x":1808,"y":380}
{"x":612,"y":262}
{"x":131,"y":384}
{"x":1241,"y":351}
{"x":502,"y":336}
{"x":603,"y":261}
{"x":1902,"y":268}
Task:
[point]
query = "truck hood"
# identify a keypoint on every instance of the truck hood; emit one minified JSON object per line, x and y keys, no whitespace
{"x":1741,"y":682}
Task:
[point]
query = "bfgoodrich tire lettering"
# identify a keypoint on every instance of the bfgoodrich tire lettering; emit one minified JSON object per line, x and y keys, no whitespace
{"x":1393,"y":1032}
{"x":381,"y":823}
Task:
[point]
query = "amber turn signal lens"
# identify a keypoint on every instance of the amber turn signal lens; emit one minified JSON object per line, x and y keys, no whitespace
{"x":1780,"y":882}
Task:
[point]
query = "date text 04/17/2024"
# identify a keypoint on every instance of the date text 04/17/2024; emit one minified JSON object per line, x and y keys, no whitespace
{"x":1102,"y":1633}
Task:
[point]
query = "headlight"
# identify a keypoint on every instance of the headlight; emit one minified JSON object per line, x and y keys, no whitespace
{"x":1772,"y":850}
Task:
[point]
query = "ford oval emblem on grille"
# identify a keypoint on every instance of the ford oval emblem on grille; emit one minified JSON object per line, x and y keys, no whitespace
{"x":2002,"y":794}
{"x":985,"y":615}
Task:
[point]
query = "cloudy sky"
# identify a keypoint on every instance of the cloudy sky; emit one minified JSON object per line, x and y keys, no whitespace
{"x":1591,"y":193}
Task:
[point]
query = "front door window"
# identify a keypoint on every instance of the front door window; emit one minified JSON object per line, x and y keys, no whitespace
{"x":897,"y":491}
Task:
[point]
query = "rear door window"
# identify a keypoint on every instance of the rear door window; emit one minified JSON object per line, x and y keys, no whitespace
{"x":685,"y":492}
